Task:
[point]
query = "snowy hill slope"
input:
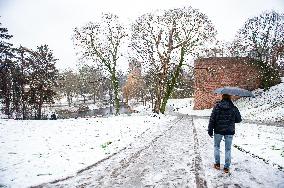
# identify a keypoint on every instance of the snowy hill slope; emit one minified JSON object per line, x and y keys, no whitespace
{"x":266,"y":106}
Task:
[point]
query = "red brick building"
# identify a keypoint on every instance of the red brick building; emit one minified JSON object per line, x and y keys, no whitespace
{"x":215,"y":72}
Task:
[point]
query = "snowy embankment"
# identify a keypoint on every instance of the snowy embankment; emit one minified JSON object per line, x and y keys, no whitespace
{"x":33,"y":152}
{"x":266,"y":106}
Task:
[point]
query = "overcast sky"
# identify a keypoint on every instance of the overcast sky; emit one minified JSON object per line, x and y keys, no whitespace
{"x":36,"y":22}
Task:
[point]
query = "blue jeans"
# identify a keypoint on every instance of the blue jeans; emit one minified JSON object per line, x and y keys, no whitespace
{"x":228,"y":144}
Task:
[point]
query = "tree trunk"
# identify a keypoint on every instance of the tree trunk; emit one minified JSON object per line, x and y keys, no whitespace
{"x":143,"y":99}
{"x":114,"y":81}
{"x":23,"y":102}
{"x":152,"y":99}
{"x":157,"y":104}
{"x":84,"y":99}
{"x":158,"y":96}
{"x":69,"y":100}
{"x":39,"y":111}
{"x":7,"y":94}
{"x":22,"y":88}
{"x":110,"y":101}
{"x":24,"y":109}
{"x":7,"y":106}
{"x":40,"y":106}
{"x":94,"y":98}
{"x":126,"y":100}
{"x":7,"y":100}
{"x":171,"y":83}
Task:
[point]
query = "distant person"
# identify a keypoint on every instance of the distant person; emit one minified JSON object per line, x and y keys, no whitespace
{"x":222,"y":120}
{"x":53,"y":116}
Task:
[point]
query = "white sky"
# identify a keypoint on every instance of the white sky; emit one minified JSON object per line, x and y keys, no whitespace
{"x":36,"y":22}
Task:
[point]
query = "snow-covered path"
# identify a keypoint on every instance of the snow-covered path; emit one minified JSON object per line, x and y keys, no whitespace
{"x":180,"y":156}
{"x":167,"y":160}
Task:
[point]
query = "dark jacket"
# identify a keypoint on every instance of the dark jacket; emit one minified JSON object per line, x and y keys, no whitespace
{"x":223,"y":118}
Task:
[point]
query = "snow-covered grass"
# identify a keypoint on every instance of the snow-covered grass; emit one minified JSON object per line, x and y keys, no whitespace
{"x":254,"y":145}
{"x":260,"y":141}
{"x":264,"y":141}
{"x":33,"y":152}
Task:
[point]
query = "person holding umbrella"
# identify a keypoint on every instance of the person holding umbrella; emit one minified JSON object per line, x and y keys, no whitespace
{"x":222,"y":121}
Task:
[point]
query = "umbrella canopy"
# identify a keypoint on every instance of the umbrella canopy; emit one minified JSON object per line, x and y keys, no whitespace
{"x":234,"y":91}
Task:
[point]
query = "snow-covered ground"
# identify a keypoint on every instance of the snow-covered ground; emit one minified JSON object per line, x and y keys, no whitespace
{"x":266,"y":106}
{"x":33,"y":152}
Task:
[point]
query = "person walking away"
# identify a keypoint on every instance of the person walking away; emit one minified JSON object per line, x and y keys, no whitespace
{"x":222,"y":121}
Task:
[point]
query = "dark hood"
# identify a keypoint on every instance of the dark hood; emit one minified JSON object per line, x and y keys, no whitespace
{"x":225,"y":104}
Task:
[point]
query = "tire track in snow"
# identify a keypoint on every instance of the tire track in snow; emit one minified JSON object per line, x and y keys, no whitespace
{"x":199,"y":171}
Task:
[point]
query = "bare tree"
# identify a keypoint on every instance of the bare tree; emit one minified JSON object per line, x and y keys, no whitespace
{"x":100,"y":42}
{"x":68,"y":84}
{"x":150,"y":79}
{"x":91,"y":81}
{"x":262,"y":38}
{"x":163,"y":39}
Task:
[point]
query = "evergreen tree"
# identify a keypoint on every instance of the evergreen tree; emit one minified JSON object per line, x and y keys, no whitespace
{"x":6,"y":71}
{"x":42,"y":75}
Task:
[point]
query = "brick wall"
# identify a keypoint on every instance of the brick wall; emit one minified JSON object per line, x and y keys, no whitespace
{"x":212,"y":73}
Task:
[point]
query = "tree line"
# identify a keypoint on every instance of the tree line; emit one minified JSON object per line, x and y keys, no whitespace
{"x":162,"y":40}
{"x":27,"y":78}
{"x":88,"y":82}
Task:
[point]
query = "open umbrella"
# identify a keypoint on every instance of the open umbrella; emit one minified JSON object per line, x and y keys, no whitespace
{"x":234,"y":91}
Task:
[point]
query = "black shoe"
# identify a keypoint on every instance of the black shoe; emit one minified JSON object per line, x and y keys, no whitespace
{"x":226,"y":170}
{"x":217,"y":166}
